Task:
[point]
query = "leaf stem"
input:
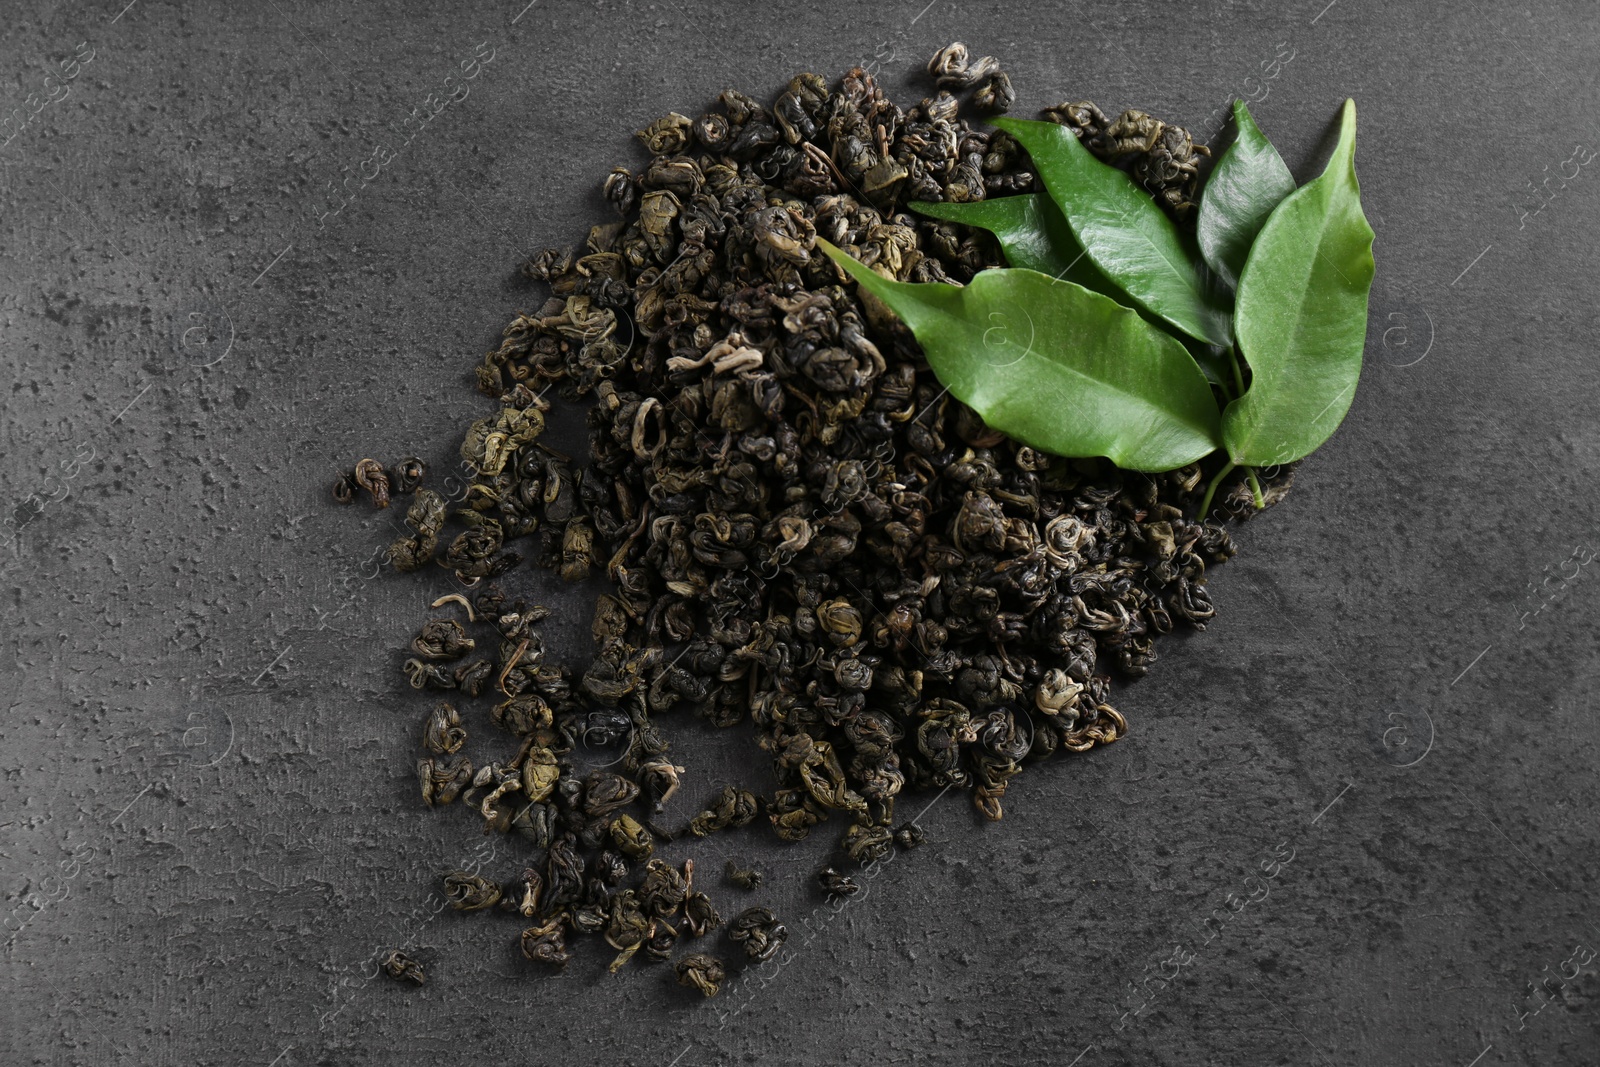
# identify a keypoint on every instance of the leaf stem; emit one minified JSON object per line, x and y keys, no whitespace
{"x":1255,"y":487}
{"x":1205,"y":502}
{"x":1238,"y":375}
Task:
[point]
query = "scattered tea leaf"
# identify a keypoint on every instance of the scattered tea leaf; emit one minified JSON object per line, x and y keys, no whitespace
{"x":1056,"y":366}
{"x":1302,"y":315}
{"x":1129,"y":238}
{"x":1248,"y":182}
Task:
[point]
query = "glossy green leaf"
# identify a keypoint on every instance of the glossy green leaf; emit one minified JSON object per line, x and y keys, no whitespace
{"x":1056,"y":366}
{"x":1248,"y":182}
{"x":1127,"y":236}
{"x":1302,"y":315}
{"x":1031,"y":232}
{"x":1033,"y":235}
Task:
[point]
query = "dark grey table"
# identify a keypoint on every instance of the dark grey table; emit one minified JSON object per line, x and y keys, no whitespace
{"x":1355,"y":820}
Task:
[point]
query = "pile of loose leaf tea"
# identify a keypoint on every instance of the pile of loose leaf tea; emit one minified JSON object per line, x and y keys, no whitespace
{"x":806,"y":535}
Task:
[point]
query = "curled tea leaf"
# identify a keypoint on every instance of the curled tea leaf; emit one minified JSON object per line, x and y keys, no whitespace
{"x":743,"y":877}
{"x":699,"y":914}
{"x":371,"y":476}
{"x":442,"y":639}
{"x":470,"y":892}
{"x":442,"y":732}
{"x":730,"y":807}
{"x":631,"y":839}
{"x":910,"y":836}
{"x":403,"y":968}
{"x":760,"y":932}
{"x":546,"y":944}
{"x":700,"y":971}
{"x":836,"y":884}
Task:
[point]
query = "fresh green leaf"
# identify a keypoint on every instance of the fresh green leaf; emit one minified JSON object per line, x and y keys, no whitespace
{"x":1035,"y":236}
{"x":1129,"y":239}
{"x":1302,"y":315}
{"x":1248,"y":182}
{"x":1056,"y":366}
{"x":1031,"y":232}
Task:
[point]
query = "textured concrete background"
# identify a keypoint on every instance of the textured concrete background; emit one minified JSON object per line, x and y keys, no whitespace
{"x":1373,"y":775}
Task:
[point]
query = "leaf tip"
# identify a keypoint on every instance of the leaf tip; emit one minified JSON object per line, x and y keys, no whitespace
{"x":1347,"y":132}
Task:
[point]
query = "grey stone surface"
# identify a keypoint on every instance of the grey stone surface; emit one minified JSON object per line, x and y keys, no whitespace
{"x":208,"y":827}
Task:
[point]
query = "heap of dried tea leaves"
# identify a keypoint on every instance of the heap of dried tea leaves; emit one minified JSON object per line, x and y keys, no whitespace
{"x":806,"y":534}
{"x":1162,"y":350}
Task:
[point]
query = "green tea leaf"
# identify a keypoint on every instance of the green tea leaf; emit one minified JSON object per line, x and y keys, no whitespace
{"x":1129,"y":238}
{"x":1056,"y":366}
{"x":1033,"y":235}
{"x":1248,"y":182}
{"x":1031,"y":232}
{"x":1302,"y":315}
